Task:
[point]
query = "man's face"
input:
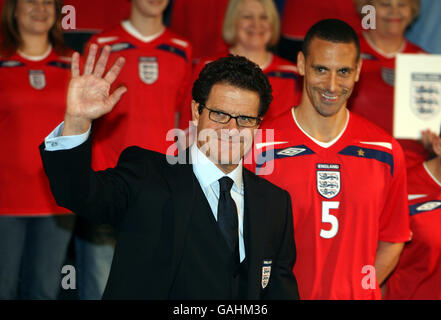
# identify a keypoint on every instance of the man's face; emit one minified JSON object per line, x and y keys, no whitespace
{"x":330,"y":71}
{"x":150,"y":8}
{"x":225,"y":144}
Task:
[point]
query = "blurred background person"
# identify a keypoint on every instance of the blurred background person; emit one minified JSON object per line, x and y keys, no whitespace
{"x":251,"y":28}
{"x":418,"y":273}
{"x":34,"y":74}
{"x":425,"y":30}
{"x":200,"y":21}
{"x":92,"y":17}
{"x":299,"y":15}
{"x":373,"y":98}
{"x":89,"y":18}
{"x":157,"y":74}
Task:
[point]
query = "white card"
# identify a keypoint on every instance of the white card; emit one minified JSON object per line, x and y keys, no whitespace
{"x":417,"y":101}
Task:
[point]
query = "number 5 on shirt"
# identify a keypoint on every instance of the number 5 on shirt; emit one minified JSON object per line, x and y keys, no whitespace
{"x":329,"y":218}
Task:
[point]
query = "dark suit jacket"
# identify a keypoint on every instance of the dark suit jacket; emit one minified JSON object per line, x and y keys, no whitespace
{"x":150,"y":201}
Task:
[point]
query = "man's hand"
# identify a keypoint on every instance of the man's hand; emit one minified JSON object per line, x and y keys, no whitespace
{"x":428,"y":139}
{"x":88,"y":96}
{"x":387,"y":257}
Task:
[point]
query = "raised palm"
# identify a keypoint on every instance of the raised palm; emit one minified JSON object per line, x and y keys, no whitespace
{"x":88,"y":96}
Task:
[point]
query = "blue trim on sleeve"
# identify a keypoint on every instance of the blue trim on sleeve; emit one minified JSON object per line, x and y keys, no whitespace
{"x":173,"y":49}
{"x":11,"y":64}
{"x":59,"y":64}
{"x":359,"y":152}
{"x":282,"y":74}
{"x":368,"y":56}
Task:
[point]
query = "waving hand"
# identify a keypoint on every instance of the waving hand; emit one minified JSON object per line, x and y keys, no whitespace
{"x":89,"y":96}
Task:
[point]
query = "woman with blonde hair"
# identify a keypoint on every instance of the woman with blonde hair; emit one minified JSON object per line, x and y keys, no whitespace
{"x":34,"y":73}
{"x":373,"y":97}
{"x":251,"y":28}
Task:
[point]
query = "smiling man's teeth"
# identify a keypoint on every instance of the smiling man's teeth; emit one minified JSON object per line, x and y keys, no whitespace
{"x":329,"y":97}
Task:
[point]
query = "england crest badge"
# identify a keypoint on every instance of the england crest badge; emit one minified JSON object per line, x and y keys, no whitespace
{"x":148,"y":69}
{"x":328,"y":180}
{"x":426,"y":95}
{"x":388,"y":76}
{"x":266,"y":272}
{"x":37,"y":79}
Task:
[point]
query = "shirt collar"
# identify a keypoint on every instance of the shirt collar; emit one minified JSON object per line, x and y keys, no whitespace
{"x":207,"y":173}
{"x":36,"y":58}
{"x":129,"y":28}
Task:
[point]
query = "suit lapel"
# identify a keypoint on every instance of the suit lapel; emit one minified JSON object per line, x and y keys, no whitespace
{"x":182,"y":184}
{"x":254,"y":231}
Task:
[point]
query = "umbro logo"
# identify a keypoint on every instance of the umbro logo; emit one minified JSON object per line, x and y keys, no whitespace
{"x":291,"y":152}
{"x":106,"y":39}
{"x":10,"y":63}
{"x":428,"y":206}
{"x":120,"y":46}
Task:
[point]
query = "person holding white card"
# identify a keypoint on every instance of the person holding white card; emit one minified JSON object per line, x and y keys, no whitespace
{"x":373,"y":98}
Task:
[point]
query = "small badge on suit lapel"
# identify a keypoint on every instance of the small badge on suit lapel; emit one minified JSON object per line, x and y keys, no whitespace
{"x":266,"y":272}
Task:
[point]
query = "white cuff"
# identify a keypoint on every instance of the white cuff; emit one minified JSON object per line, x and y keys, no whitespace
{"x":55,"y":141}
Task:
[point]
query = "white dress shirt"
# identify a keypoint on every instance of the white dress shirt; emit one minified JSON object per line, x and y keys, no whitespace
{"x":205,"y":171}
{"x":208,"y":175}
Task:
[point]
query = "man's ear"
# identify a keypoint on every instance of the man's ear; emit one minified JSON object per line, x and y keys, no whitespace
{"x":359,"y":65}
{"x":195,"y":111}
{"x":301,"y":63}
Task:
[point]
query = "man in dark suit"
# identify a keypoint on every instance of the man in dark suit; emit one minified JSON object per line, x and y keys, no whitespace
{"x":203,"y":229}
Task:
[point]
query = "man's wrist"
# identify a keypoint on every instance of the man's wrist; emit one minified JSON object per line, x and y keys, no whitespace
{"x":75,"y":125}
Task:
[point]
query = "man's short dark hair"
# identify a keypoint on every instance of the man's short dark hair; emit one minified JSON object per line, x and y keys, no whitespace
{"x":238,"y":72}
{"x":332,"y":30}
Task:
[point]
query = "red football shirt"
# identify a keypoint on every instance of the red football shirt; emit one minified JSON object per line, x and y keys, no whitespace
{"x":418,"y":273}
{"x":373,"y":96}
{"x":299,"y":15}
{"x":200,"y":21}
{"x":156,"y":74}
{"x":346,"y":196}
{"x":33,"y":101}
{"x":285,"y":81}
{"x":283,"y":77}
